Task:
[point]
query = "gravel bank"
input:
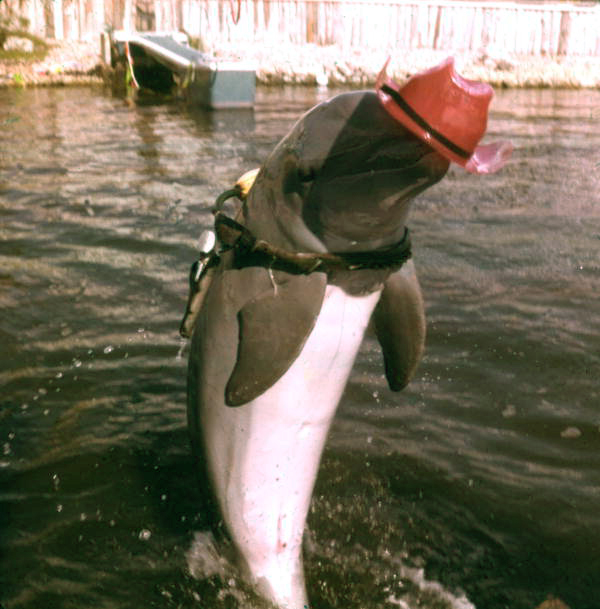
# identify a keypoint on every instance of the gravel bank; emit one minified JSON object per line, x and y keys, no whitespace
{"x":71,"y":62}
{"x":311,"y":64}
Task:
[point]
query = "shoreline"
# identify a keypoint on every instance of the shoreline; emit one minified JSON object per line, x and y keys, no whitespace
{"x":339,"y":67}
{"x":70,"y":63}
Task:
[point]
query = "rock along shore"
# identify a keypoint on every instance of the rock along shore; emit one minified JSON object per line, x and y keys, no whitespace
{"x":74,"y":62}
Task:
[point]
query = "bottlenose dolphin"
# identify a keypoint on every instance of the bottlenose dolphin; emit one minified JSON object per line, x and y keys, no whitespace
{"x":318,"y":248}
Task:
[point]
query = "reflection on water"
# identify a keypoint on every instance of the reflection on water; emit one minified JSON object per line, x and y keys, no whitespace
{"x":477,"y":486}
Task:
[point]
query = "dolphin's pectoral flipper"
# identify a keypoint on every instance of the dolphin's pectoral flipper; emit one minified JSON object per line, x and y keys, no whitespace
{"x":273,"y":328}
{"x":399,"y":320}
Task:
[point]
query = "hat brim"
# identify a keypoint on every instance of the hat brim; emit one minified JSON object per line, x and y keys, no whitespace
{"x":489,"y":158}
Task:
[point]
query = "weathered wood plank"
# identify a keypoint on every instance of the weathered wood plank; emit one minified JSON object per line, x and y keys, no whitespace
{"x":535,"y":29}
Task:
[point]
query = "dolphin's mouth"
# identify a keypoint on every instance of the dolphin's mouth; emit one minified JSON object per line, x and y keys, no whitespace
{"x":361,"y":195}
{"x":367,"y":159}
{"x":392,"y":156}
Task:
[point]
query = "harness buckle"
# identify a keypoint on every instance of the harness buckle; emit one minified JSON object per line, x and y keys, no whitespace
{"x":208,"y":241}
{"x":200,"y":278}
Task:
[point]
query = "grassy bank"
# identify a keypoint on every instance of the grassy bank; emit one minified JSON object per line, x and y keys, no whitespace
{"x":27,"y":60}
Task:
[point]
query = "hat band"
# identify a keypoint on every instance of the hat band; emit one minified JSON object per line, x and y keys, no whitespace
{"x":421,"y":122}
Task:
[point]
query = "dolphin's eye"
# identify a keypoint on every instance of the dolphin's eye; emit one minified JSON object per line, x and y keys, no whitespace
{"x":307,"y":175}
{"x":296,"y":180}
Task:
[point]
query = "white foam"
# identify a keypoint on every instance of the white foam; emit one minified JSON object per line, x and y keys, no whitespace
{"x":204,"y":560}
{"x":433,"y":588}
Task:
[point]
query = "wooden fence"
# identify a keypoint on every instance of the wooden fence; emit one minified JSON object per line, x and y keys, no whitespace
{"x":513,"y":27}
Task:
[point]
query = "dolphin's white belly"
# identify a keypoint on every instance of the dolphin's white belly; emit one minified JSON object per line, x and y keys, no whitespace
{"x":264,"y":455}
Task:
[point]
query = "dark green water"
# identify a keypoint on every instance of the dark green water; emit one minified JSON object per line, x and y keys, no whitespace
{"x":478,"y":486}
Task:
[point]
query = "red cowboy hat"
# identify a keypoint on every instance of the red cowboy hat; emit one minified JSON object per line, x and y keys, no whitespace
{"x":448,"y":112}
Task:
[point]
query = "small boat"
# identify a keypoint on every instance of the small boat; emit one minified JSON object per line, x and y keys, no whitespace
{"x":164,"y":63}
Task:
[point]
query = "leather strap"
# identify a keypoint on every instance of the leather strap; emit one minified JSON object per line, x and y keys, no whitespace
{"x":250,"y":251}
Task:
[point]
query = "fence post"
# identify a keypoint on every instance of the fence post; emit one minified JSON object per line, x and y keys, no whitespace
{"x":565,"y":28}
{"x":312,"y":21}
{"x":59,"y":30}
{"x":438,"y":20}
